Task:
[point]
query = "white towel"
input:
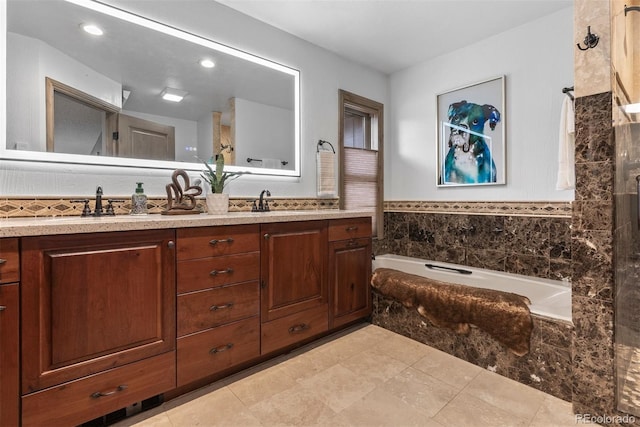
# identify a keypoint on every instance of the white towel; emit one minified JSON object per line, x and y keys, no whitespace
{"x":566,"y":150}
{"x":272,"y":163}
{"x":326,"y":174}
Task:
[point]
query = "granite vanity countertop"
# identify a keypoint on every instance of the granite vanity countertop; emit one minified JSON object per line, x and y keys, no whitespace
{"x":18,"y":227}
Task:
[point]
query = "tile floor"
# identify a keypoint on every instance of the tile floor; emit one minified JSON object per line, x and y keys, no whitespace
{"x":363,"y":376}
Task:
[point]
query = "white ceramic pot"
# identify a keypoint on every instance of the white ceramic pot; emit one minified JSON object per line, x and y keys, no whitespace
{"x":217,"y":203}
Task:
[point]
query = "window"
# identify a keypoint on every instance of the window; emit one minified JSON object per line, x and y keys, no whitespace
{"x":361,"y":162}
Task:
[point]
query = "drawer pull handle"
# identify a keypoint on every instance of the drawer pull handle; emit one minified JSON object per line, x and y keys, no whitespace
{"x":352,"y":228}
{"x":221,"y":348}
{"x":3,"y":307}
{"x":99,"y":394}
{"x":220,"y":307}
{"x":216,"y":241}
{"x":352,"y":242}
{"x":216,"y":272}
{"x":2,"y":261}
{"x":296,"y":329}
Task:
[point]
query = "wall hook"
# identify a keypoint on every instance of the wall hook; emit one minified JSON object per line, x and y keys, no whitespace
{"x":590,"y":41}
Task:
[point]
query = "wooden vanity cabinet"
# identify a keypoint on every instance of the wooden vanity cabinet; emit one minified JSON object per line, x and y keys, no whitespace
{"x":98,"y":323}
{"x":294,"y":294}
{"x":349,"y":270}
{"x":9,"y":333}
{"x":218,"y":299}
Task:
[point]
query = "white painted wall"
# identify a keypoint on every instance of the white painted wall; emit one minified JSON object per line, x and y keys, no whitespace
{"x":537,"y":60}
{"x":322,"y":74}
{"x":262,"y":132}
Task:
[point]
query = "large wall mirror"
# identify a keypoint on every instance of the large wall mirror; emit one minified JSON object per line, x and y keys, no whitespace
{"x":141,"y":93}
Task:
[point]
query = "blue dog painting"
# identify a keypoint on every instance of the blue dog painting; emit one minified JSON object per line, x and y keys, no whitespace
{"x":469,"y":159}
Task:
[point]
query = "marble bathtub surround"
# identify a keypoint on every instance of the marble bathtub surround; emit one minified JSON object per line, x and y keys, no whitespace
{"x":504,"y":316}
{"x":547,"y":366}
{"x":521,"y":244}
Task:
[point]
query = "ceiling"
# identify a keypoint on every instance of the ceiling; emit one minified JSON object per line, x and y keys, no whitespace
{"x":390,"y":35}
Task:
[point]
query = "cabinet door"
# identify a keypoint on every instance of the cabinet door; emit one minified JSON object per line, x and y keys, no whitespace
{"x":350,"y":272}
{"x":95,"y":301}
{"x":292,"y":267}
{"x":9,"y":341}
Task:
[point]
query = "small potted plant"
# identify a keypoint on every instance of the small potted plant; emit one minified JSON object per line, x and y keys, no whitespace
{"x":217,"y":201}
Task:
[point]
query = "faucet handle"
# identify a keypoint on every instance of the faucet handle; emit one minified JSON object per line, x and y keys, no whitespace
{"x":86,"y":210}
{"x":109,"y":210}
{"x":266,"y":205}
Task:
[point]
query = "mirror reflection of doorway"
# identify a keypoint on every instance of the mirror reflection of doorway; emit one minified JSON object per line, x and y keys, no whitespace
{"x":78,"y":123}
{"x":142,"y":139}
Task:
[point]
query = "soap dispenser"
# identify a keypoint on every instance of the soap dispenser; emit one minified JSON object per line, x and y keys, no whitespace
{"x":139,"y":201}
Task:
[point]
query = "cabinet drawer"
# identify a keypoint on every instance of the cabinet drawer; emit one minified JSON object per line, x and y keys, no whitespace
{"x":9,"y":261}
{"x":213,"y":307}
{"x":204,"y":242}
{"x":349,"y":228}
{"x":206,"y":273}
{"x":214,"y":350}
{"x":297,"y":327}
{"x":76,"y":402}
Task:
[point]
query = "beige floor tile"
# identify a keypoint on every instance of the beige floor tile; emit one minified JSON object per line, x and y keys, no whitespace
{"x":343,"y":348}
{"x":374,"y":365}
{"x":217,"y":408}
{"x":379,"y":408}
{"x":420,"y":391}
{"x":261,"y":385}
{"x":447,"y":368}
{"x":468,"y":411}
{"x":555,"y":412}
{"x":307,"y":365}
{"x":507,"y":394}
{"x":402,"y":348}
{"x":298,"y":406}
{"x":338,"y":387}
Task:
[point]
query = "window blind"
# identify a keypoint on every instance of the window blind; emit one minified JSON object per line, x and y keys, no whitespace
{"x":360,"y":182}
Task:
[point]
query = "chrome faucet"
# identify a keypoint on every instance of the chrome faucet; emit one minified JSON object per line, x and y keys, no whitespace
{"x":263,"y":204}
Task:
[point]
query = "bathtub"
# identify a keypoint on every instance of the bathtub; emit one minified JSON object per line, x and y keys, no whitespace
{"x":549,"y":298}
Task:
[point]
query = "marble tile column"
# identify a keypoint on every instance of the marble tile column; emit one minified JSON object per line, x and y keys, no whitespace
{"x":592,"y":257}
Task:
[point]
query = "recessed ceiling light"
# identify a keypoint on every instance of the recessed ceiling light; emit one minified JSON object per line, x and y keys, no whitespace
{"x":93,"y":29}
{"x":207,"y":63}
{"x":173,"y":95}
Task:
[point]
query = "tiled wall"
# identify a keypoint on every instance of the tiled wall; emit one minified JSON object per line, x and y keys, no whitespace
{"x":593,"y":257}
{"x":531,"y":239}
{"x":14,"y":207}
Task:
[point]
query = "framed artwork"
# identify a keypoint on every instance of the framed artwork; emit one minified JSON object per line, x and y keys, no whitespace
{"x":471,"y":134}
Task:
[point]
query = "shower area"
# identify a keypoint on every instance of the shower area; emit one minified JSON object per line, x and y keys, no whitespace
{"x":625,"y":62}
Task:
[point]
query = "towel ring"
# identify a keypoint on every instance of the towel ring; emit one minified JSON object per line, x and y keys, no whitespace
{"x":321,"y":143}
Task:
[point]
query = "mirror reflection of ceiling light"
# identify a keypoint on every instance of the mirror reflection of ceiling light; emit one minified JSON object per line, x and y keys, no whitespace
{"x":632,"y":108}
{"x":173,"y":95}
{"x":207,"y":63}
{"x":92,"y":29}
